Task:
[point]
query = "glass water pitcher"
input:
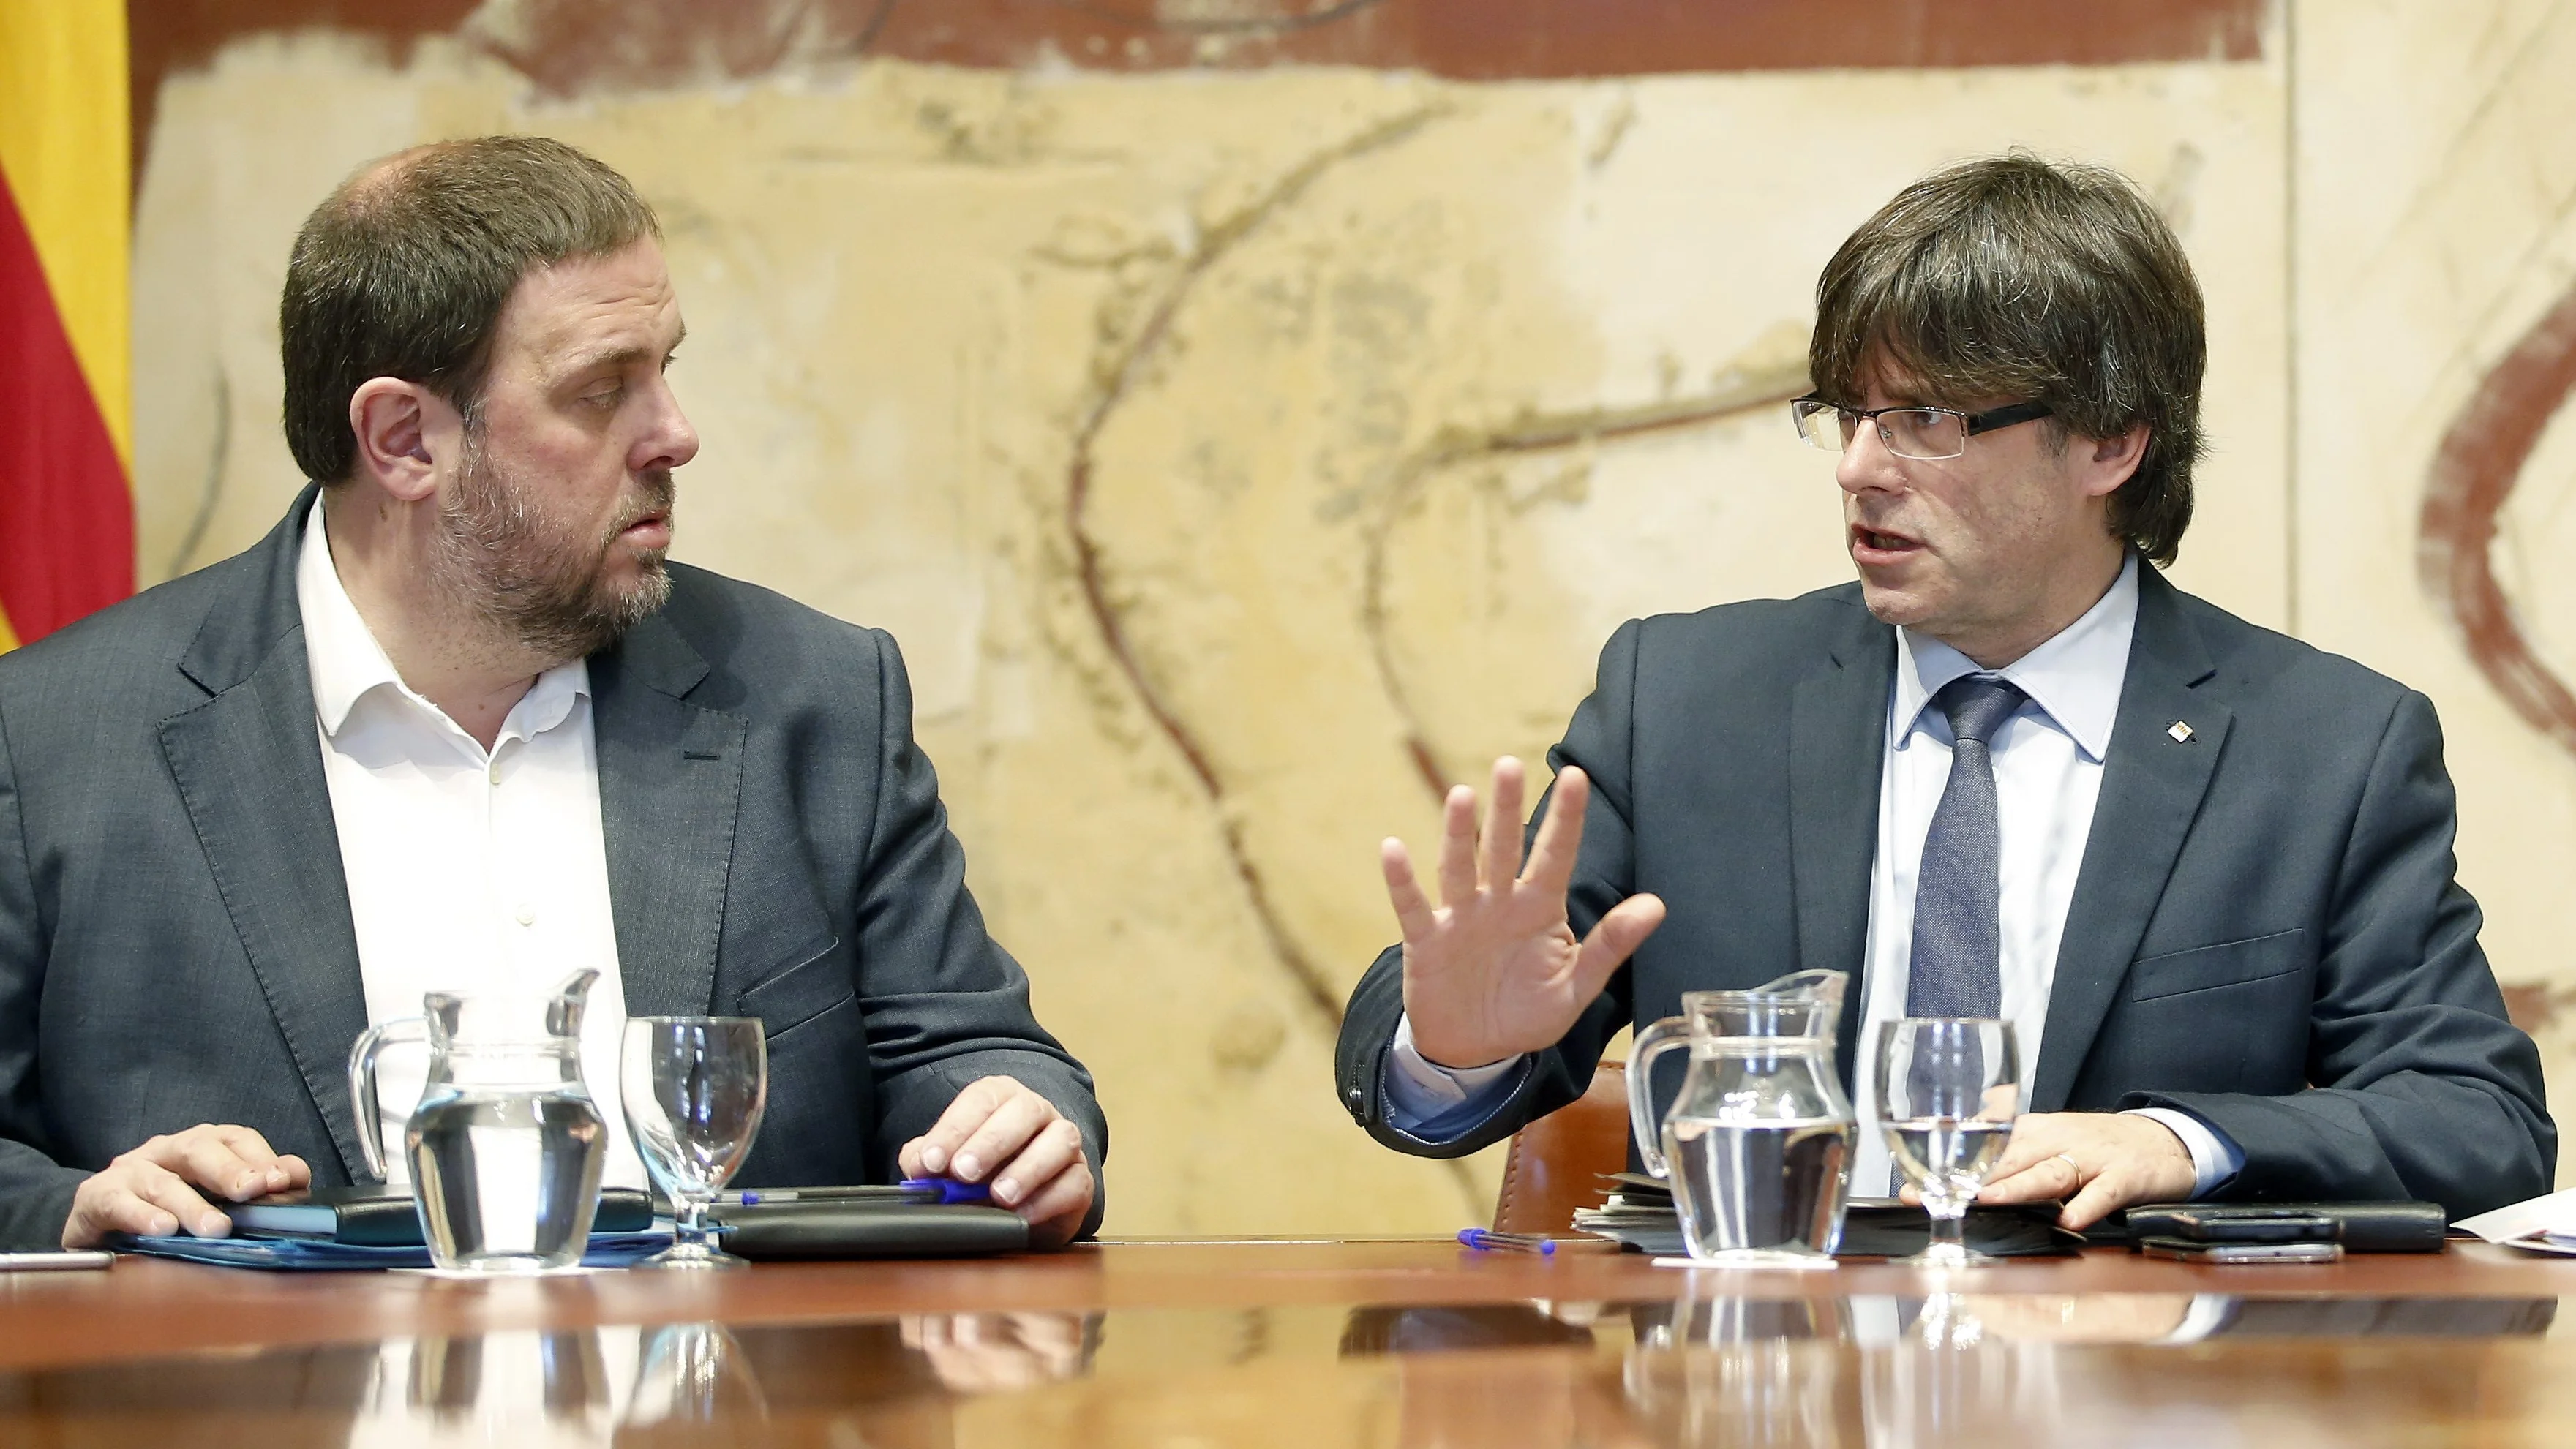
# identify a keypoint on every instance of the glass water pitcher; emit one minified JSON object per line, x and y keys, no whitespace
{"x":1758,"y":1143}
{"x":506,"y":1146}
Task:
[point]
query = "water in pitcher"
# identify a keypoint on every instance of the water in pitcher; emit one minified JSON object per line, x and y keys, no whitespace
{"x":1760,"y":1186}
{"x":507,"y":1180}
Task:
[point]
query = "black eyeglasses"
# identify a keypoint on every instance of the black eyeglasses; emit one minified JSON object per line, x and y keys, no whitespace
{"x":1924,"y":434}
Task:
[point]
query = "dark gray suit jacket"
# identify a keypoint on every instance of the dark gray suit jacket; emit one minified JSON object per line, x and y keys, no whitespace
{"x":2265,"y":929}
{"x":175,"y":937}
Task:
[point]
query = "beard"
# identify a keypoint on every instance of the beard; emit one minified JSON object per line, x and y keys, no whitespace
{"x":531,"y":580}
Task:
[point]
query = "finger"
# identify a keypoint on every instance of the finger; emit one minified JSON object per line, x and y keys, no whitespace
{"x":2097,"y":1201}
{"x":1056,"y":1213}
{"x":1614,"y":938}
{"x":938,"y":1146}
{"x":2036,"y":1137}
{"x":2028,"y":1186}
{"x":253,"y":1149}
{"x":1003,"y":1135}
{"x":1057,"y":1145}
{"x":104,"y":1204}
{"x":2054,"y":1178}
{"x":217,"y":1164}
{"x":159,"y":1188}
{"x":1412,"y":907}
{"x":104,"y":1207}
{"x":1458,"y":848}
{"x":197,"y":1155}
{"x":1500,"y":863}
{"x":1560,"y":833}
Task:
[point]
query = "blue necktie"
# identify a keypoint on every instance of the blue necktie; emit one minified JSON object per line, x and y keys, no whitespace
{"x":1957,"y":941}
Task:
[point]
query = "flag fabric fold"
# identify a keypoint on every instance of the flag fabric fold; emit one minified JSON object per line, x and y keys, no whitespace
{"x":66,"y":499}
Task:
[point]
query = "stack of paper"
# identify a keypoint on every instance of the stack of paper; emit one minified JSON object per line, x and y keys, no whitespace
{"x":1638,"y":1215}
{"x":2538,"y":1225}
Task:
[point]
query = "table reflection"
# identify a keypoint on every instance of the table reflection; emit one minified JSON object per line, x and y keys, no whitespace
{"x":1938,"y":1320}
{"x":579,"y":1387}
{"x":1858,"y":1371}
{"x":982,"y":1353}
{"x":1868,"y":1371}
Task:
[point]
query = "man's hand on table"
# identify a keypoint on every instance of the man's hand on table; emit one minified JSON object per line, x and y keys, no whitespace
{"x":1000,"y":1131}
{"x":2095,"y":1162}
{"x":158,"y":1188}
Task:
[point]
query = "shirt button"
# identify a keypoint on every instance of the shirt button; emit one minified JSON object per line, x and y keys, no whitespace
{"x":494,"y":774}
{"x":527,"y":915}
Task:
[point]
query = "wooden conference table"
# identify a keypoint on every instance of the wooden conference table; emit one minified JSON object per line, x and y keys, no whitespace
{"x":1294,"y":1343}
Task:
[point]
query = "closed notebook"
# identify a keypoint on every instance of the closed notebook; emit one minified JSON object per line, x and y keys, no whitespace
{"x":811,"y":1230}
{"x":372,"y":1215}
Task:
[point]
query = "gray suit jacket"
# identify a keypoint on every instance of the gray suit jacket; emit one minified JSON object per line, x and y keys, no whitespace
{"x":175,"y":937}
{"x":2265,"y":930}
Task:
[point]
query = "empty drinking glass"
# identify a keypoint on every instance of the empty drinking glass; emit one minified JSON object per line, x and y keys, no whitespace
{"x":694,"y":1088}
{"x":1948,"y":1089}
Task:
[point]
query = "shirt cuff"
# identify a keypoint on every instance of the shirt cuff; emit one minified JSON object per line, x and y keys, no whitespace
{"x":2214,"y":1158}
{"x":1422,"y":1094}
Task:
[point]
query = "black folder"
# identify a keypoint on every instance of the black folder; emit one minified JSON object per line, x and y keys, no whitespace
{"x":807,"y":1230}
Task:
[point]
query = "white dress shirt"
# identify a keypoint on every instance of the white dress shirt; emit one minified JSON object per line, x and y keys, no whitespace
{"x":467,"y":870}
{"x":2048,"y":773}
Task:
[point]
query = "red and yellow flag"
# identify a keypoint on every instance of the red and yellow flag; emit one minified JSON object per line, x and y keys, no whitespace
{"x":66,"y":439}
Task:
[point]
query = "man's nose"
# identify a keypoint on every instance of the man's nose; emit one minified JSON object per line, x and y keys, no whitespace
{"x":671,"y":441}
{"x":1866,"y":465}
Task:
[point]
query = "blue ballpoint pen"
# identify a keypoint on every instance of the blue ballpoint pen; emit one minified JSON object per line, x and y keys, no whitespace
{"x":925,"y":1190}
{"x":1484,"y":1240}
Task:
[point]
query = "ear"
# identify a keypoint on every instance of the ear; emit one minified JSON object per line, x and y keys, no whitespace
{"x":2109,"y":462}
{"x":403,"y":429}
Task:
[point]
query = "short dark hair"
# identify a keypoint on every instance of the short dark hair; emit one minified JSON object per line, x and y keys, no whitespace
{"x":2015,"y":277}
{"x":403,"y":272}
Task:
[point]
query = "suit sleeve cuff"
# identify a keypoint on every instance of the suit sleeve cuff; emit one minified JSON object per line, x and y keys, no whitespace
{"x":1435,"y":1103}
{"x":2214,"y":1158}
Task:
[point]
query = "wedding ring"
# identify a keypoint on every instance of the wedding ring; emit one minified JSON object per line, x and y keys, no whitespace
{"x":2069,"y":1159}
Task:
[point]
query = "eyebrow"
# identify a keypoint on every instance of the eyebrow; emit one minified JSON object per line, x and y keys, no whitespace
{"x":616,"y":357}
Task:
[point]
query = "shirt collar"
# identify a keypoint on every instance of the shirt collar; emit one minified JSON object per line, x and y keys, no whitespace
{"x":347,"y":664}
{"x":2074,"y":678}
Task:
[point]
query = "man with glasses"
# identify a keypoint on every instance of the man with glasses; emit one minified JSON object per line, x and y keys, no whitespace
{"x":2204,"y":870}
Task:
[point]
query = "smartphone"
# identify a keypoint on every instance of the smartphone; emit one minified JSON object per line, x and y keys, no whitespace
{"x":2183,"y":1250}
{"x":55,"y":1261}
{"x":2231,"y":1223}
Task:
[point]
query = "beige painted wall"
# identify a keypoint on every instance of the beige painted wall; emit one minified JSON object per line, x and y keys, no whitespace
{"x":1327,"y":346}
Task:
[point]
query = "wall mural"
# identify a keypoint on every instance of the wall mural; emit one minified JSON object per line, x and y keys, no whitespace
{"x":1253,"y":415}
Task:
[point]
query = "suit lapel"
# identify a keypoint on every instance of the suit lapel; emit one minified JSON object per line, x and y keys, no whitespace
{"x":670,"y":787}
{"x":248,"y":764}
{"x":2152,"y":786}
{"x":1837,"y":747}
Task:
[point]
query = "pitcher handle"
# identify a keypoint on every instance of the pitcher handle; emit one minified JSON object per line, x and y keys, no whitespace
{"x":1654,"y":1041}
{"x":362,"y":1083}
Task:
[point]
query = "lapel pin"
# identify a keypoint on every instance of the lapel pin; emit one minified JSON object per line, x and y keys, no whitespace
{"x":2180,"y":731}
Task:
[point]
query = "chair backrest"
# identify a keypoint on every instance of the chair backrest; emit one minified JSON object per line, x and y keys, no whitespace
{"x":1556,"y":1163}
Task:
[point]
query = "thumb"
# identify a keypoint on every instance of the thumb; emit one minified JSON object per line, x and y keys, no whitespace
{"x":1613,"y":940}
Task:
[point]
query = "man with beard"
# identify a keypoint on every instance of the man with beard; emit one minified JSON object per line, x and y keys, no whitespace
{"x":455,"y":724}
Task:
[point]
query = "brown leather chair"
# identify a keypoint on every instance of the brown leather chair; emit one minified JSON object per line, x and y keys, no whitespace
{"x":1556,"y":1163}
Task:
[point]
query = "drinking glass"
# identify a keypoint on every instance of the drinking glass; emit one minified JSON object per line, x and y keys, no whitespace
{"x":1948,"y":1089}
{"x":694,"y":1089}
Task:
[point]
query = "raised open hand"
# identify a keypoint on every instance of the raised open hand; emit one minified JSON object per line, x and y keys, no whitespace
{"x":1495,"y":970}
